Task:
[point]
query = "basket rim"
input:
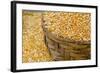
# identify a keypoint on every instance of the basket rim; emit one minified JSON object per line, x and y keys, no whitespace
{"x":58,"y":39}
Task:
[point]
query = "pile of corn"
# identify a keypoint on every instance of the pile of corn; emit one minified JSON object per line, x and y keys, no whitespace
{"x":71,"y":25}
{"x":34,"y":49}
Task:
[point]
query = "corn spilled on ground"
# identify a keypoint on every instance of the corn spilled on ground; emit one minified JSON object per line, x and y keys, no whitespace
{"x":70,"y":25}
{"x":34,"y":49}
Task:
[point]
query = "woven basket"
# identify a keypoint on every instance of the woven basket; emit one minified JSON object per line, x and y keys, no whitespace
{"x":66,"y":49}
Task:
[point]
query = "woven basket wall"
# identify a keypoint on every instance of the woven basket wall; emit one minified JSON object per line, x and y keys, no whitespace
{"x":69,"y":51}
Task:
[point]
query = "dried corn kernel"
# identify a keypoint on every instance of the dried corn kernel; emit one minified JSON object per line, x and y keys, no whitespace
{"x":71,"y":25}
{"x":34,"y":49}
